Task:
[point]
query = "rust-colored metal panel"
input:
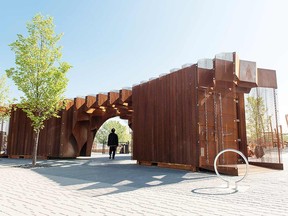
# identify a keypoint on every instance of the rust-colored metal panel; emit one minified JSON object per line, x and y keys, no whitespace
{"x":172,"y":102}
{"x":78,"y":102}
{"x":101,"y":99}
{"x":43,"y":140}
{"x":163,"y":124}
{"x":54,"y":135}
{"x":21,"y":136}
{"x":112,"y":97}
{"x":266,"y":78}
{"x":90,"y":101}
{"x":66,"y":129}
{"x":190,"y":126}
{"x":242,"y":138}
{"x":50,"y":137}
{"x":126,"y":95}
{"x":224,"y":75}
{"x":185,"y":117}
{"x":80,"y":110}
{"x":224,"y":70}
{"x":79,"y":131}
{"x":218,"y":127}
{"x":12,"y":135}
{"x":28,"y":136}
{"x":205,"y":77}
{"x":17,"y":138}
{"x":242,"y":89}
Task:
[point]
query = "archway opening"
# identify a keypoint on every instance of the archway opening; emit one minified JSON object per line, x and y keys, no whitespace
{"x":123,"y":131}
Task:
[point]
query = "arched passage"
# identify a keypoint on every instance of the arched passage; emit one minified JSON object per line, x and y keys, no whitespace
{"x":122,"y":130}
{"x":90,"y":113}
{"x":73,"y":133}
{"x":185,"y":117}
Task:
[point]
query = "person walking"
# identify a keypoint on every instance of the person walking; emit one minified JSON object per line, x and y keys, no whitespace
{"x":112,"y":143}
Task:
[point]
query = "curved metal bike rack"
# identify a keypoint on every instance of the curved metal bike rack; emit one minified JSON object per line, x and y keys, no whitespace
{"x":238,"y":152}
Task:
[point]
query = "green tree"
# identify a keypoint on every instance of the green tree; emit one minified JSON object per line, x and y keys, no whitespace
{"x":285,"y":138}
{"x":5,"y":102}
{"x":39,"y":73}
{"x":120,"y":130}
{"x":257,"y":123}
{"x":5,"y":108}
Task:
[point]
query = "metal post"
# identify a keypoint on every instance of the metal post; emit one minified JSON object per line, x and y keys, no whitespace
{"x":276,"y":118}
{"x":221,"y":124}
{"x":281,"y":134}
{"x":206,"y":128}
{"x":215,"y":123}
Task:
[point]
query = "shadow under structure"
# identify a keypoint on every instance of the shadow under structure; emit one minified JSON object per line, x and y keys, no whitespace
{"x":181,"y":119}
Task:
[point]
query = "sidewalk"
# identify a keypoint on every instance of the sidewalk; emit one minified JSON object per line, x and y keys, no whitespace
{"x":99,"y":186}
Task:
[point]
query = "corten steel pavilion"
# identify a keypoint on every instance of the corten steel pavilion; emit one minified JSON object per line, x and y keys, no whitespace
{"x":180,"y":119}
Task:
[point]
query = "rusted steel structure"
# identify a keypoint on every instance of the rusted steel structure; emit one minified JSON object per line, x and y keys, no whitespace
{"x":182,"y":118}
{"x":73,"y":133}
{"x":189,"y":115}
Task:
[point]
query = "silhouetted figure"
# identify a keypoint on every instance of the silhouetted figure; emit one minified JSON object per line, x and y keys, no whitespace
{"x":112,"y":143}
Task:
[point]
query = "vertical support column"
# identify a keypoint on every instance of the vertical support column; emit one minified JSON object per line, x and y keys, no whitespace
{"x":282,"y":141}
{"x":242,"y":140}
{"x":90,"y":139}
{"x":215,"y":124}
{"x":206,"y":128}
{"x":195,"y":116}
{"x":276,"y":119}
{"x":63,"y":133}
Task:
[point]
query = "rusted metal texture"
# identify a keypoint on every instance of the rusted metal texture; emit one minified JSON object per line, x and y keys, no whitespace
{"x":73,"y":133}
{"x":219,"y":108}
{"x":185,"y":117}
{"x":165,"y":118}
{"x":218,"y":127}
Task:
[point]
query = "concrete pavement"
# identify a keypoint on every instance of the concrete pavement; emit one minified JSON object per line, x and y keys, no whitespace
{"x":99,"y":186}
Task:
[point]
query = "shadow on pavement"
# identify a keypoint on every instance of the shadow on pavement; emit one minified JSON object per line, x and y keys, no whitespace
{"x":214,"y":191}
{"x":102,"y":176}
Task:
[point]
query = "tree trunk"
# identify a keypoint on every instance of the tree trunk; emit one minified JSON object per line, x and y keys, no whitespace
{"x":2,"y":136}
{"x":35,"y":147}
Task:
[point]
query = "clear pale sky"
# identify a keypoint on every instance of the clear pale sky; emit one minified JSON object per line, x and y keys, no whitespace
{"x":118,"y":43}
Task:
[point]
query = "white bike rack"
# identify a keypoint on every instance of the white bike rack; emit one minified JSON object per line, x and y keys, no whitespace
{"x":238,"y":152}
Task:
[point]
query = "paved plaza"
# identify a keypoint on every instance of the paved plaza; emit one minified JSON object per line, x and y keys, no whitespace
{"x":99,"y":186}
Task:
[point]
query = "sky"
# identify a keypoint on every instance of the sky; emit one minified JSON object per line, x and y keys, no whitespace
{"x":113,"y":44}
